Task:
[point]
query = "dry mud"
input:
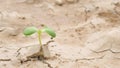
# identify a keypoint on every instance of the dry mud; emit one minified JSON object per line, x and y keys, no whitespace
{"x":88,"y":33}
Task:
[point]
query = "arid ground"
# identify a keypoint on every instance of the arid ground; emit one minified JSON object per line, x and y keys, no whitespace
{"x":88,"y":33}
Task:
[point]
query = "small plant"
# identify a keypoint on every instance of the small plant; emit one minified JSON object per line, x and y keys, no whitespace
{"x":31,"y":30}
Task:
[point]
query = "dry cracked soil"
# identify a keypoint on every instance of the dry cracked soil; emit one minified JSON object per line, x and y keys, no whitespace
{"x":88,"y":33}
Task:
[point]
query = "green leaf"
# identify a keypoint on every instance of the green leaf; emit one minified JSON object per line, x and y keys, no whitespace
{"x":49,"y":31}
{"x":29,"y":31}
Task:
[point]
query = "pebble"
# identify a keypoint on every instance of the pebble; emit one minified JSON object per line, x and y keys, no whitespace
{"x":2,"y":29}
{"x":59,"y":2}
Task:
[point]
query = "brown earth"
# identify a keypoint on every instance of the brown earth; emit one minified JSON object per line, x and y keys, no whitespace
{"x":88,"y":33}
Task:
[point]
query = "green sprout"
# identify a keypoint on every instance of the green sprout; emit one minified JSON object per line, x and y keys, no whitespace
{"x":31,"y":30}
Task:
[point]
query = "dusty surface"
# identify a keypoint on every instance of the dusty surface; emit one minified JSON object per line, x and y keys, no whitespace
{"x":88,"y":33}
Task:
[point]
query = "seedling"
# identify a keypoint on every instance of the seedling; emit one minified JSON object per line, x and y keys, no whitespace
{"x":31,"y":30}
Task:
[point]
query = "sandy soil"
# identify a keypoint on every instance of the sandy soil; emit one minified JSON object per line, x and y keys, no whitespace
{"x":88,"y":33}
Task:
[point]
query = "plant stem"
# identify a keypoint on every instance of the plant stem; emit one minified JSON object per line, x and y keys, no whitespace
{"x":40,"y":42}
{"x":39,"y":37}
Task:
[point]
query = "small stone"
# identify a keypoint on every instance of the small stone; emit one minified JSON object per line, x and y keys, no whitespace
{"x":2,"y":29}
{"x":59,"y":2}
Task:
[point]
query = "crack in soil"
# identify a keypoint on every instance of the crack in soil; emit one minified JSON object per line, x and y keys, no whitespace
{"x":101,"y":57}
{"x":5,"y":59}
{"x":49,"y":65}
{"x":110,"y":49}
{"x":105,"y":51}
{"x":65,"y":59}
{"x":39,"y":58}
